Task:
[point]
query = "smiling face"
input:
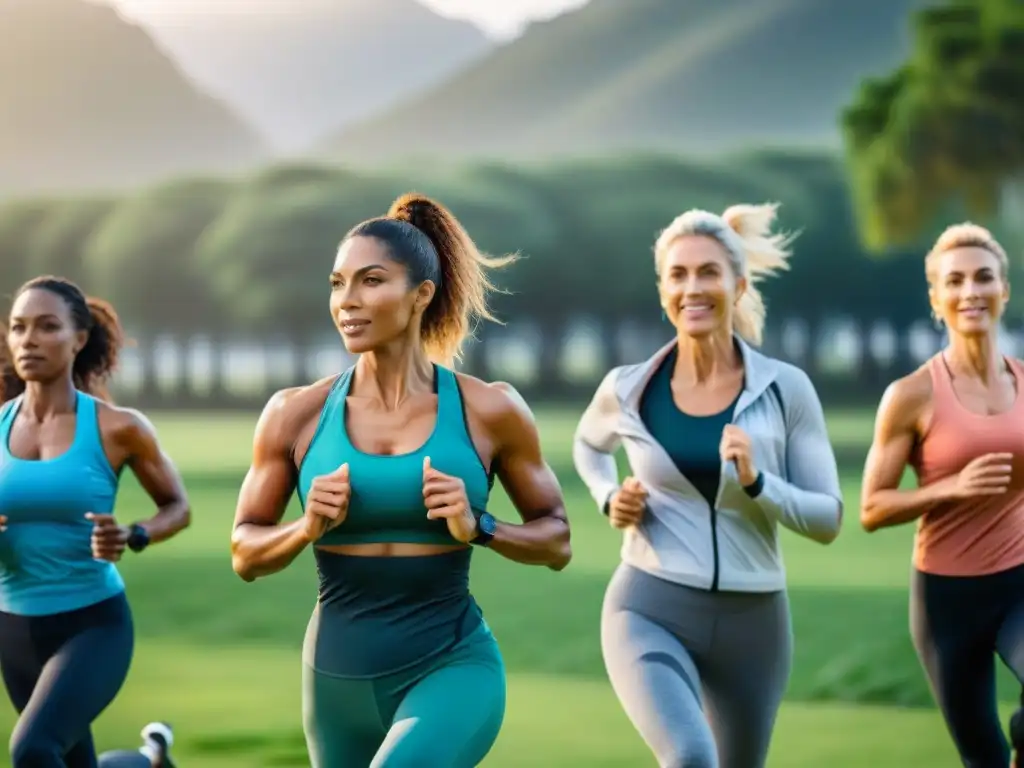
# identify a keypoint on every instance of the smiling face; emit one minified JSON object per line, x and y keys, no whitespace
{"x":698,"y":286}
{"x":968,"y":290}
{"x":373,"y":302}
{"x":42,"y":336}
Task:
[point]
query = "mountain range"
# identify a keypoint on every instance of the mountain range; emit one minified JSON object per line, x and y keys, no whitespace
{"x":87,"y":100}
{"x":298,"y":70}
{"x":680,"y":75}
{"x":91,"y":96}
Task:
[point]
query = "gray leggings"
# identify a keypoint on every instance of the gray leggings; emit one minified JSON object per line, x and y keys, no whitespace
{"x":672,"y":650}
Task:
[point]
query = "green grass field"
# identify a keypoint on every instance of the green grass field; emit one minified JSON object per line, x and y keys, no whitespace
{"x":220,"y":658}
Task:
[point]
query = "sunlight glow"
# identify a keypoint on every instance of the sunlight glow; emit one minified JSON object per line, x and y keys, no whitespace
{"x":501,"y":19}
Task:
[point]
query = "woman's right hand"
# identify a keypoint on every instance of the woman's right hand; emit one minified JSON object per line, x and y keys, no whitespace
{"x":987,"y":475}
{"x":327,"y":503}
{"x":627,"y":505}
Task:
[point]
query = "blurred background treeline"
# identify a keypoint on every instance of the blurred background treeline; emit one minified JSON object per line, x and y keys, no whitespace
{"x":197,"y":165}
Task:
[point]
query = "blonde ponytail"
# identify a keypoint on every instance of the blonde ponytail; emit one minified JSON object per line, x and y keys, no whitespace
{"x":765,"y":253}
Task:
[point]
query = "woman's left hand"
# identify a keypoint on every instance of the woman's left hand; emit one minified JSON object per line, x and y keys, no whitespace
{"x":108,"y":538}
{"x":735,"y":447}
{"x":445,"y":497}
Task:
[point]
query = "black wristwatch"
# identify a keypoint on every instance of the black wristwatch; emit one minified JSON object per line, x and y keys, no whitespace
{"x":138,"y":538}
{"x":486,"y":525}
{"x":754,"y":489}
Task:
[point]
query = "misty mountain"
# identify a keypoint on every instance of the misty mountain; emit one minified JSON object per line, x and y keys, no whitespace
{"x":680,"y":75}
{"x":299,"y":70}
{"x":88,"y":100}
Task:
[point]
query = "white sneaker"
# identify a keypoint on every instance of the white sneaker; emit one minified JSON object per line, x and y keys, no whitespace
{"x":158,"y":739}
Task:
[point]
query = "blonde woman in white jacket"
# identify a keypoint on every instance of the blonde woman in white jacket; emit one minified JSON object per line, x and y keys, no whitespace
{"x":724,"y":444}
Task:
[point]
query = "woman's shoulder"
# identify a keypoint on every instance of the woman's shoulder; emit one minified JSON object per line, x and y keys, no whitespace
{"x":908,"y":395}
{"x":127,"y":429}
{"x":289,"y":412}
{"x":791,"y":378}
{"x":494,"y":403}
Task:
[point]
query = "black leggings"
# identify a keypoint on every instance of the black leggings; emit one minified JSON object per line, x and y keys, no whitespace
{"x":958,"y":624}
{"x":61,"y":671}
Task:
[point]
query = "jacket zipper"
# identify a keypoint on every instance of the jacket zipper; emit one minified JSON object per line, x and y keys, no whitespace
{"x":714,"y":547}
{"x":716,"y":565}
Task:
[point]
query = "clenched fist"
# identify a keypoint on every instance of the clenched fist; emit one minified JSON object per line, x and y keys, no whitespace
{"x":327,"y":503}
{"x":735,"y":447}
{"x":108,"y":538}
{"x":987,"y":475}
{"x":445,"y":499}
{"x":627,"y":505}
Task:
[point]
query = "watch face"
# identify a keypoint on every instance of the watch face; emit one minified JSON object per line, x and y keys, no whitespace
{"x":138,"y":538}
{"x":487,"y":524}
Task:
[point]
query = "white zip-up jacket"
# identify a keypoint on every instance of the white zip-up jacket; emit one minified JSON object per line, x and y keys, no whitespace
{"x":735,"y":544}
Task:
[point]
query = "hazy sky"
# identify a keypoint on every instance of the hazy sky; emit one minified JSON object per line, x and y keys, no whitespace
{"x":499,"y":18}
{"x":502,"y":18}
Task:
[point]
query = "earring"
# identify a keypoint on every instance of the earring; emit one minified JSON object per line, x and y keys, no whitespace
{"x":664,"y":316}
{"x":937,"y":321}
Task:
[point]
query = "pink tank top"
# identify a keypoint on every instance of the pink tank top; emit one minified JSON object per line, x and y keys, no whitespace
{"x":970,"y":537}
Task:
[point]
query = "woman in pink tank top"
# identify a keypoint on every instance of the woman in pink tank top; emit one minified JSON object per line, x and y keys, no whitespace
{"x":958,"y":421}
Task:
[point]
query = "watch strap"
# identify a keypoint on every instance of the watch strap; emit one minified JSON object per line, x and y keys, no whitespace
{"x":485,"y":530}
{"x":138,"y":538}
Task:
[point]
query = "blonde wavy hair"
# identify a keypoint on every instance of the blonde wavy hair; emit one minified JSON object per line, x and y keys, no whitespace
{"x":965,"y":235}
{"x":754,"y":251}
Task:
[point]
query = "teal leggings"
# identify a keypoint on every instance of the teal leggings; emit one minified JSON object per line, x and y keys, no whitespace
{"x":443,"y":713}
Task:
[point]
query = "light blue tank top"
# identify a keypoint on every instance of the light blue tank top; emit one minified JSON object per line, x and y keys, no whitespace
{"x":46,"y":563}
{"x":387,"y":491}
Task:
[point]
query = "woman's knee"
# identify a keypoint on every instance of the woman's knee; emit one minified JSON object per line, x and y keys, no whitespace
{"x":418,"y":748}
{"x":436,"y":729}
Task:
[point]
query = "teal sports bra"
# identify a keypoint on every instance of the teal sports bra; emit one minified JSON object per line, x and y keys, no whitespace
{"x":386,"y":505}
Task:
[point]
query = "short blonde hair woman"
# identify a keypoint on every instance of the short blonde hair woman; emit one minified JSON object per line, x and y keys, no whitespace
{"x":958,"y":420}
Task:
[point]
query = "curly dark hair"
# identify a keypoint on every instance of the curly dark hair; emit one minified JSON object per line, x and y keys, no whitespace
{"x":96,"y":361}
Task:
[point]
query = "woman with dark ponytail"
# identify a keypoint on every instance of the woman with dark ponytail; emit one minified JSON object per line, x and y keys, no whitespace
{"x":66,"y":635}
{"x":393,"y":461}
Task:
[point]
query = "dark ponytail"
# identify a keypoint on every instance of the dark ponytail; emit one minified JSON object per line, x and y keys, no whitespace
{"x":424,"y":236}
{"x":96,"y":361}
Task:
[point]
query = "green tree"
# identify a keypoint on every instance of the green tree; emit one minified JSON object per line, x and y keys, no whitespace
{"x":269,"y":256}
{"x":945,"y":131}
{"x":142,"y":258}
{"x":19,"y":222}
{"x":59,"y":241}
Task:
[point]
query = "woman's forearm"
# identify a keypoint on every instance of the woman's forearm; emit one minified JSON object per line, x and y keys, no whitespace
{"x":543,"y":541}
{"x":260,"y":550}
{"x":891,"y":507}
{"x":816,"y":515}
{"x":169,"y":520}
{"x":598,"y":471}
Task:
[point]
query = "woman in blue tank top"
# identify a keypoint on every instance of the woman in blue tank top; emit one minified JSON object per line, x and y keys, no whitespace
{"x":393,"y":462}
{"x":66,"y":634}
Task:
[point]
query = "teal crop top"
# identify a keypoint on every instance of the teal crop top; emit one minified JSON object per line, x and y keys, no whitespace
{"x":386,"y":504}
{"x":46,"y":563}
